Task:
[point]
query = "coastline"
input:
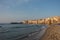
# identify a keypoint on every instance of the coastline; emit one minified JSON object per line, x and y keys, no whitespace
{"x":34,"y":35}
{"x":52,"y":33}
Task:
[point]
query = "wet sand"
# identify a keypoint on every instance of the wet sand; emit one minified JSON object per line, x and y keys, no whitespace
{"x":52,"y":33}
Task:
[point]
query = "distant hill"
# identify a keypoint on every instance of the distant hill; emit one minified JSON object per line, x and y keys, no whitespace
{"x":16,"y":23}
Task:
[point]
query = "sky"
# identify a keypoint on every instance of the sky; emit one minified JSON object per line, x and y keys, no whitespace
{"x":19,"y":10}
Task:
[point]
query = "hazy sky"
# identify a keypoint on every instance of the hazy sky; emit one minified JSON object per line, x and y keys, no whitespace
{"x":17,"y":10}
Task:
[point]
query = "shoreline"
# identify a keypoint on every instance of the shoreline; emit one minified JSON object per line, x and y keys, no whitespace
{"x":52,"y":33}
{"x":34,"y":35}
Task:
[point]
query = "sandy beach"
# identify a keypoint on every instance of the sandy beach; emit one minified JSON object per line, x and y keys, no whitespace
{"x":52,"y":33}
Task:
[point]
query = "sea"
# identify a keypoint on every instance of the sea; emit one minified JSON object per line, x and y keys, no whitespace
{"x":21,"y":31}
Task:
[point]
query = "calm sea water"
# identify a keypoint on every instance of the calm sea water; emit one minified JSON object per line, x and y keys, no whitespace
{"x":13,"y":31}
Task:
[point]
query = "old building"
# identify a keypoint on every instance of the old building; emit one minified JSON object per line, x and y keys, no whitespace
{"x":51,"y":20}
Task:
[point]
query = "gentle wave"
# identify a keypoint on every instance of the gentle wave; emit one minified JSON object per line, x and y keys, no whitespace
{"x":13,"y":32}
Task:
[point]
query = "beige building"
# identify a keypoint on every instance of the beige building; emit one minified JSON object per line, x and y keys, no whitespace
{"x":34,"y":21}
{"x":29,"y":21}
{"x":51,"y":20}
{"x":41,"y":21}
